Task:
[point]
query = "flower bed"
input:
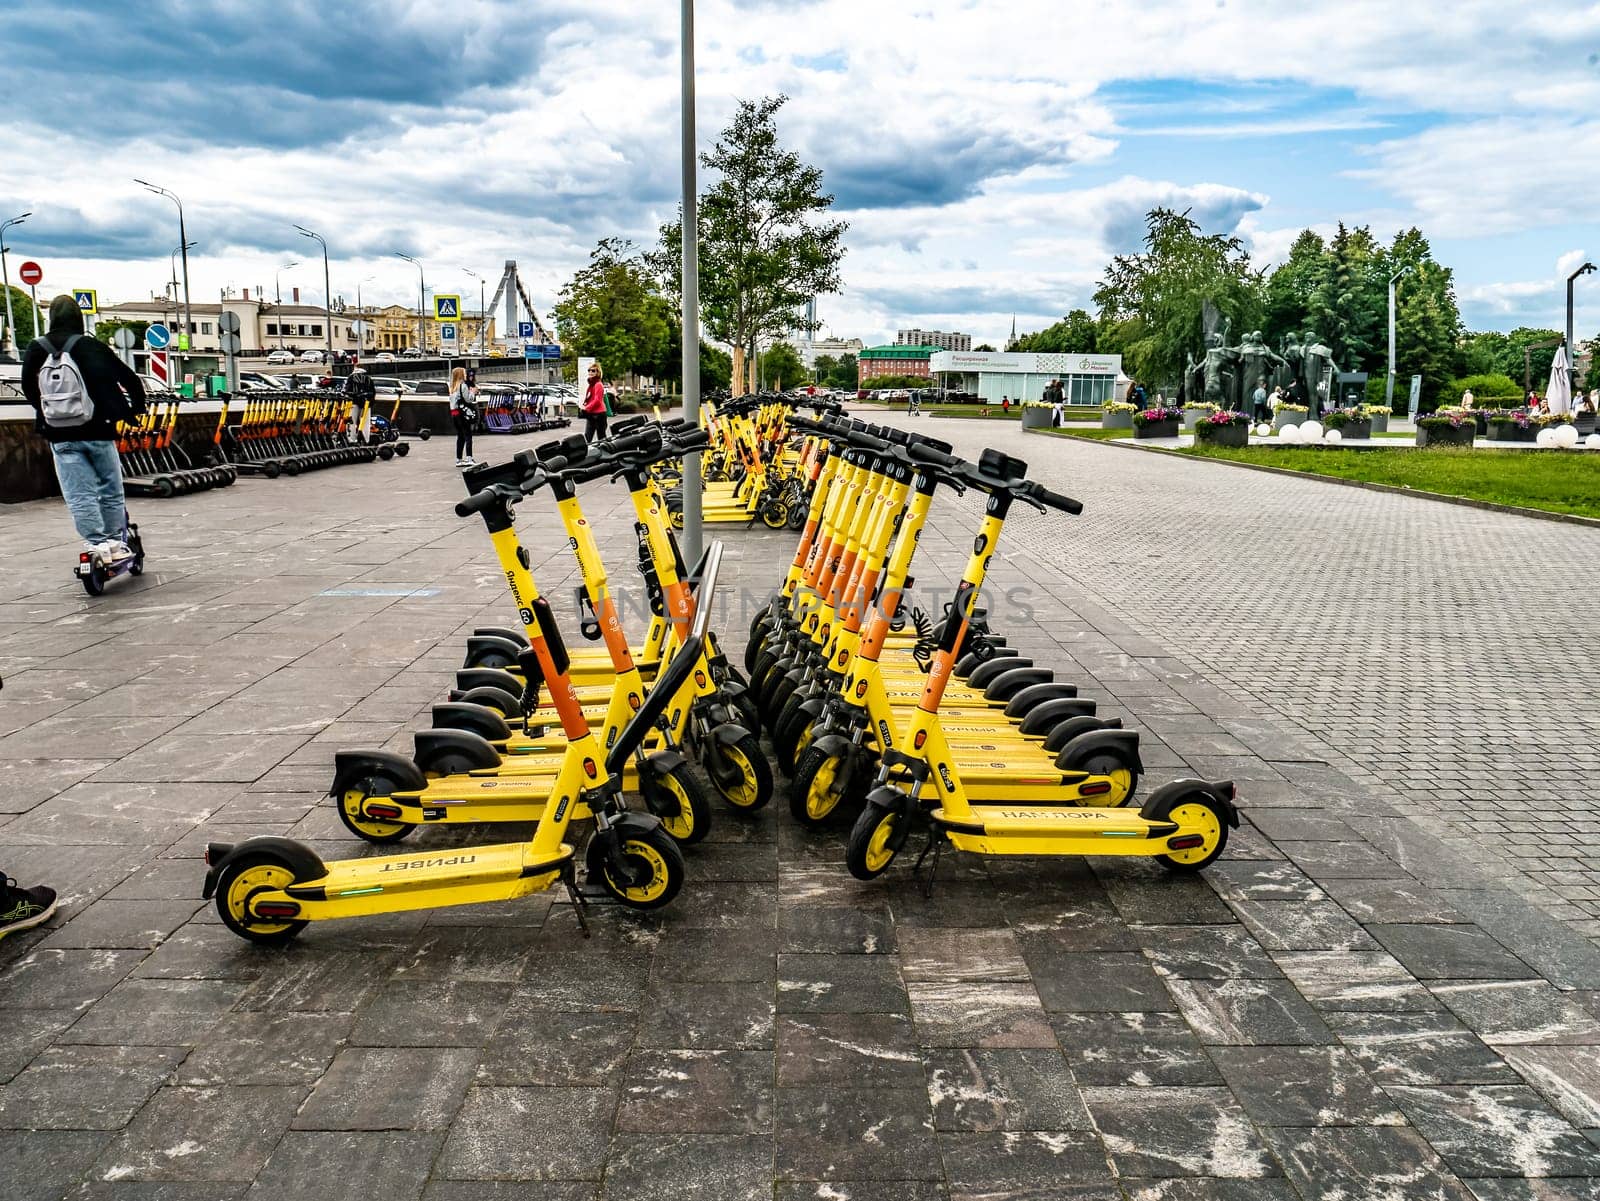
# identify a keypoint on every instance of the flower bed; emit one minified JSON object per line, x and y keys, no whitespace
{"x":1288,"y":415}
{"x":1192,"y":413}
{"x":1349,"y":422}
{"x":1224,"y":428}
{"x":1378,"y":415}
{"x":1157,"y":423}
{"x":1447,"y":427}
{"x":1115,"y":415}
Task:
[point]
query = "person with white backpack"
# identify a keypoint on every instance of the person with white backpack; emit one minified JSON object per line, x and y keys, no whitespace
{"x":80,"y":390}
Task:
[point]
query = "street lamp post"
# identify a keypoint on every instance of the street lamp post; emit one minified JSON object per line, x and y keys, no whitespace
{"x":277,"y":296}
{"x":422,"y":300}
{"x":483,"y":323}
{"x":361,"y":314}
{"x":183,"y":246}
{"x":1572,"y":349}
{"x":327,"y":290}
{"x":10,"y":336}
{"x":692,"y":531}
{"x":1388,"y":386}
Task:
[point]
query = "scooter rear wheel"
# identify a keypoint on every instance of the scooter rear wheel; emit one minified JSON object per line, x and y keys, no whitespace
{"x":651,"y":871}
{"x":242,"y":880}
{"x":372,"y":829}
{"x":93,"y":580}
{"x":1123,"y":775}
{"x":1197,"y":811}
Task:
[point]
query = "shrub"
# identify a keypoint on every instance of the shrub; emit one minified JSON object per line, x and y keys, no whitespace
{"x":1447,"y":419}
{"x":1202,"y":405}
{"x":1117,"y":406}
{"x":1337,"y":419}
{"x":1483,"y":388}
{"x":1288,"y":408}
{"x":1222,"y":417}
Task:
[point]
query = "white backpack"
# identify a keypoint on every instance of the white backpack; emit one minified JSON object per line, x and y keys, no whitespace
{"x":63,"y":398}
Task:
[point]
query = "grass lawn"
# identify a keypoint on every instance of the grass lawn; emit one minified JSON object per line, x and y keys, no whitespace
{"x":1090,"y":431}
{"x":1555,"y":482}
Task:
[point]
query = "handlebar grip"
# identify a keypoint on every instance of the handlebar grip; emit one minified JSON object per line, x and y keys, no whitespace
{"x":632,"y":442}
{"x":475,"y":503}
{"x":1055,"y":500}
{"x":921,"y":452}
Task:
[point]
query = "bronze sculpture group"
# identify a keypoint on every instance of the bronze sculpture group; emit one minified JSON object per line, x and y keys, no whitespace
{"x":1228,"y":376}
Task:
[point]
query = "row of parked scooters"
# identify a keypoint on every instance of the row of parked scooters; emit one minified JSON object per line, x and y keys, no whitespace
{"x":273,"y":434}
{"x":535,"y":732}
{"x":922,"y":727}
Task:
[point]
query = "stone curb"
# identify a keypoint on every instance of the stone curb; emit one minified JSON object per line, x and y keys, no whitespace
{"x":1464,"y":501}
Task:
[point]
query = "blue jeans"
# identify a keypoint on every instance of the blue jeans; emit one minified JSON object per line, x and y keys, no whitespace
{"x":91,"y":484}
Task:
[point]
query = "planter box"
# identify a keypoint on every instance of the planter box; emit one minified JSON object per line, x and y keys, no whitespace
{"x":1459,"y":436}
{"x":1116,"y":421}
{"x":1584,"y":422}
{"x":1356,"y":429}
{"x":1036,"y":419}
{"x":1380,"y":423}
{"x":1157,"y":429}
{"x":1190,"y":416}
{"x":1279,"y":420}
{"x":1236,"y":436}
{"x":1510,"y":431}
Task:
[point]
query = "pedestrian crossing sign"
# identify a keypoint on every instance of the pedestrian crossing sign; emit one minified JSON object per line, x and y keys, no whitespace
{"x":88,"y":301}
{"x":446,"y":308}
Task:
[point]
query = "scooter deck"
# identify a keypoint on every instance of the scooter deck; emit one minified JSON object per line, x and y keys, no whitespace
{"x":424,"y":880}
{"x":1054,"y":830}
{"x":476,"y":798}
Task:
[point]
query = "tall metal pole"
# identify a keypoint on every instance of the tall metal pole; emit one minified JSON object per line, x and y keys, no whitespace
{"x":422,"y":301}
{"x":327,"y":289}
{"x":692,"y":528}
{"x":1388,"y":386}
{"x":183,"y":245}
{"x":277,"y":296}
{"x":10,"y":336}
{"x":1572,"y":349}
{"x":361,"y":315}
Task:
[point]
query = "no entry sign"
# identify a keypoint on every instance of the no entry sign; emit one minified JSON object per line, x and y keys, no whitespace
{"x":31,"y":273}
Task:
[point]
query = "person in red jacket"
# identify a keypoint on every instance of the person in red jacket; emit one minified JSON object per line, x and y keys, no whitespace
{"x":594,"y":406}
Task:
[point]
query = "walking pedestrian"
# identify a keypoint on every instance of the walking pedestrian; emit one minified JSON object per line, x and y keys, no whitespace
{"x":1258,"y":400}
{"x":464,"y":413}
{"x":594,"y":406}
{"x":79,"y":391}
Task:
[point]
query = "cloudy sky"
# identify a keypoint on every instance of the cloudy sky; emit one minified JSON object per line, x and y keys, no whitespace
{"x":989,"y":156}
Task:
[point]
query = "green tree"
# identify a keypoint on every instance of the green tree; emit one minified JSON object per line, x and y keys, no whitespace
{"x":103,"y":330}
{"x":22,"y":313}
{"x":716,"y":369}
{"x":845,"y":373}
{"x":983,"y":347}
{"x":1156,"y":298}
{"x":610,"y":310}
{"x":1076,"y":333}
{"x":1427,"y":320}
{"x":1289,"y":288}
{"x":765,"y":249}
{"x":1482,"y":353}
{"x":825,"y":365}
{"x":782,"y":367}
{"x":1348,"y":308}
{"x":1528,"y":354}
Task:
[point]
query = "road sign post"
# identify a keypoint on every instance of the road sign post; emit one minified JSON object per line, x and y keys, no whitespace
{"x":446,"y":307}
{"x":160,"y":368}
{"x":447,"y":339}
{"x":33,"y":275}
{"x":228,"y":340}
{"x":88,"y":305}
{"x":123,"y":340}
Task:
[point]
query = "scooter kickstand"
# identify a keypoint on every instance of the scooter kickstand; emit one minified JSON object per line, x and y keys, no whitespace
{"x":935,"y":844}
{"x":579,"y":903}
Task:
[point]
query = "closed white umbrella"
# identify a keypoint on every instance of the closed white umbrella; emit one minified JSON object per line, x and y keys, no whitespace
{"x":1559,"y":394}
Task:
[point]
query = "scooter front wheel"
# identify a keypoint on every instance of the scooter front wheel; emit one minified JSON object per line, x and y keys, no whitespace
{"x":239,"y":883}
{"x":740,"y":773}
{"x":648,"y":870}
{"x":677,"y":799}
{"x":372,"y":829}
{"x":818,"y":787}
{"x":875,"y":840}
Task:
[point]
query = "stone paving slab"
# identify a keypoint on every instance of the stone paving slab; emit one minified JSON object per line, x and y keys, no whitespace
{"x":1343,"y":1007}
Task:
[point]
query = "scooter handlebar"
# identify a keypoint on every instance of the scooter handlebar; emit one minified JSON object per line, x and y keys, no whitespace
{"x":478,"y":501}
{"x":1054,"y":500}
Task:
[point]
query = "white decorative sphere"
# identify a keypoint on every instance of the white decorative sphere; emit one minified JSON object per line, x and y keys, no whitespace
{"x":1333,"y":436}
{"x":1311,"y":431}
{"x":1289,"y":433}
{"x":1567,"y":436}
{"x":1592,"y":441}
{"x":1545,"y":437}
{"x":1265,"y":431}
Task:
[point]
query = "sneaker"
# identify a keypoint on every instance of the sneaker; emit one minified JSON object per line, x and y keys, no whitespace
{"x":24,"y":908}
{"x":118,"y":551}
{"x":469,"y":461}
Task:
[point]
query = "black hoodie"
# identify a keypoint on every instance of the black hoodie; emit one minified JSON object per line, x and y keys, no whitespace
{"x":106,"y":377}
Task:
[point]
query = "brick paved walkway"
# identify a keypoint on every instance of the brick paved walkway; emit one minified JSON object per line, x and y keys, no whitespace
{"x":1344,"y":1007}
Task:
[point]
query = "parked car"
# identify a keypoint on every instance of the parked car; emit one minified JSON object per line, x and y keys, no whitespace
{"x":260,"y":379}
{"x":311,"y":356}
{"x":431,"y":387}
{"x":384,"y":357}
{"x":281,"y":356}
{"x":389,"y":384}
{"x":411,"y":352}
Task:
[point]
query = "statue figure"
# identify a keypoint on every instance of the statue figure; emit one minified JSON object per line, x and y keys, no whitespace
{"x":1257,"y":363}
{"x":1218,"y":361}
{"x":1291,"y":361}
{"x":1317,"y":362}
